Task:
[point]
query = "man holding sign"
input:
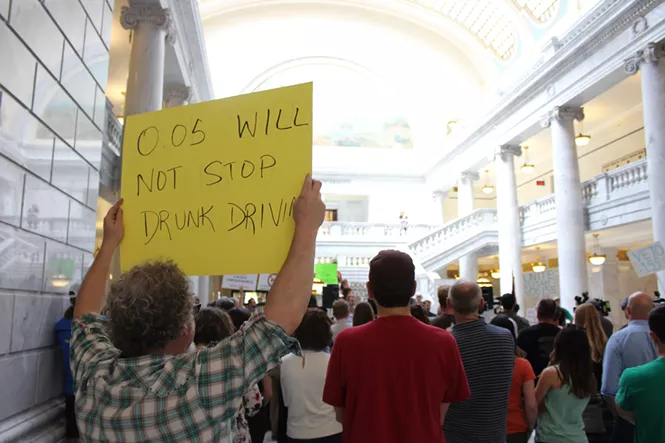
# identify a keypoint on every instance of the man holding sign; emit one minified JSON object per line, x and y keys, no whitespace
{"x":133,"y":379}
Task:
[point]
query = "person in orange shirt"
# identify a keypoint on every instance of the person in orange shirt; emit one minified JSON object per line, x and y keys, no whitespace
{"x":522,"y":405}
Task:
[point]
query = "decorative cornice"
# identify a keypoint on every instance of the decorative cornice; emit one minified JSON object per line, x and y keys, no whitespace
{"x":177,"y":92}
{"x":653,"y":53}
{"x":507,"y":151}
{"x":132,"y":16}
{"x":468,"y":175}
{"x":190,"y":48}
{"x":602,"y":24}
{"x":562,"y":113}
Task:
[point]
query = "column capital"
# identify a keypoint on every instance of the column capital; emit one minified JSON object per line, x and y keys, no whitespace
{"x":132,"y":16}
{"x":470,"y":176}
{"x":506,"y":151}
{"x":562,"y":113}
{"x":653,"y":53}
{"x":439,"y":195}
{"x":177,"y":92}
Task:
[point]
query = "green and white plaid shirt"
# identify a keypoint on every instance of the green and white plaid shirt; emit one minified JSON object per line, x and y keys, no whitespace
{"x":192,"y":397}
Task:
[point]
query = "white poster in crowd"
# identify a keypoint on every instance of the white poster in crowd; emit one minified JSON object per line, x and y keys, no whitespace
{"x":266,"y":281}
{"x":246,"y":282}
{"x":648,"y":260}
{"x":532,"y":316}
{"x":542,"y":284}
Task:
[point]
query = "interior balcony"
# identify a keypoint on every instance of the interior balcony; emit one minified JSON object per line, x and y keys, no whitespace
{"x":611,"y":200}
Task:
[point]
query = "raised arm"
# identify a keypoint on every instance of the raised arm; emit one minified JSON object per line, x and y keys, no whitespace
{"x":290,"y":293}
{"x":90,"y":298}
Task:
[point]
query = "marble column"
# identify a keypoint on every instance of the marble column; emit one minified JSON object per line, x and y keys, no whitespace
{"x":510,"y":227}
{"x":150,"y":26}
{"x":604,"y":284}
{"x":437,"y":207}
{"x":468,"y":265}
{"x":570,"y":220}
{"x":204,"y":290}
{"x":176,"y":95}
{"x":651,"y":61}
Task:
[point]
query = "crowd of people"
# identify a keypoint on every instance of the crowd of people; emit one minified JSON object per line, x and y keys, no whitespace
{"x":159,"y":367}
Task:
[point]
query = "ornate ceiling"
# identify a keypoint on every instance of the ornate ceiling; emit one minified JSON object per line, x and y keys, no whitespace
{"x":494,"y":22}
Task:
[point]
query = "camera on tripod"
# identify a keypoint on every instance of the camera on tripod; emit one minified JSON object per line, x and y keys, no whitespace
{"x":603,"y":306}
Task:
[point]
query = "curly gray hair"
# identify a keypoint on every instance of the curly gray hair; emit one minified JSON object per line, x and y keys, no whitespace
{"x":148,"y":307}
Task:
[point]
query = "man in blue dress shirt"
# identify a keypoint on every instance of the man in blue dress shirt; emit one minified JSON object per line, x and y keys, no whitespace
{"x":628,"y":348}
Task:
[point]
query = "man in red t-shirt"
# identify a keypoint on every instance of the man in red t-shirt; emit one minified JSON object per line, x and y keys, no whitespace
{"x":391,"y":380}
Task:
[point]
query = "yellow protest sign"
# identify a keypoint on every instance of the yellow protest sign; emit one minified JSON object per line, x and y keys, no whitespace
{"x":213,"y":185}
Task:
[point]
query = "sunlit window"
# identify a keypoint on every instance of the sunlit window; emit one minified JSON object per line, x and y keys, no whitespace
{"x":540,"y":10}
{"x":484,"y":18}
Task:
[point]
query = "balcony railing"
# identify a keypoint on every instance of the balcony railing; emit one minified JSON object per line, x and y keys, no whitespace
{"x":455,"y":232}
{"x":358,"y":231}
{"x":610,"y":199}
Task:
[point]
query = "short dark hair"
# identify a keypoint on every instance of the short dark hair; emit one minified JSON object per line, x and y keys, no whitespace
{"x":442,"y":294}
{"x":212,"y":326}
{"x":548,"y":310}
{"x":657,"y":322}
{"x":69,"y":313}
{"x":314,"y":332}
{"x":346,"y":291}
{"x":372,"y":303}
{"x":363,"y":313}
{"x":340,"y":309}
{"x":391,"y":278}
{"x":239,"y":316}
{"x":418,"y":311}
{"x":223,"y":303}
{"x":508,"y":301}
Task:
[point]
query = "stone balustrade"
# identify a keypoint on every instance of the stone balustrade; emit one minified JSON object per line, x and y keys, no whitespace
{"x":457,"y":231}
{"x":347,"y":231}
{"x":610,"y":199}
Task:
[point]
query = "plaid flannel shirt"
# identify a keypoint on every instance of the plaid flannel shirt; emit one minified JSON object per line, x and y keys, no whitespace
{"x":192,"y":397}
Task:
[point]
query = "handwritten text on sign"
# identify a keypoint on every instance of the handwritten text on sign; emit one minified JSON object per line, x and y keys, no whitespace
{"x":213,"y":185}
{"x":542,"y":284}
{"x":648,"y":260}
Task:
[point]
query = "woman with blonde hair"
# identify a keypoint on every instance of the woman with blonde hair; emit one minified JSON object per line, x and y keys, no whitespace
{"x":596,"y":414}
{"x":587,"y":317}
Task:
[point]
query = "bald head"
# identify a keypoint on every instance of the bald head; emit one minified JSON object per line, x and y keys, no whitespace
{"x":639,"y":306}
{"x":465,"y":297}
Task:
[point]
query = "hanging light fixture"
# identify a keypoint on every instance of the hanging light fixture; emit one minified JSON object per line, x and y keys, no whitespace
{"x":596,"y":258}
{"x":487,"y":189}
{"x":450,"y":127}
{"x":495,"y":273}
{"x":582,"y":139}
{"x":538,"y":266}
{"x":527,"y":168}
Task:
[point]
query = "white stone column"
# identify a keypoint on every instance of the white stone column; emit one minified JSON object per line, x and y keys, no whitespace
{"x":510,"y":227}
{"x":468,"y":265}
{"x":651,"y":61}
{"x":176,"y":95}
{"x":570,"y":218}
{"x":145,"y":85}
{"x":204,"y":290}
{"x":437,"y":207}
